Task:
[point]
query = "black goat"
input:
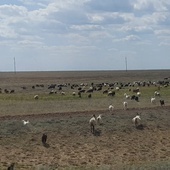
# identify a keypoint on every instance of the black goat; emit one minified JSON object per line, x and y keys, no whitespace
{"x":136,"y":98}
{"x":44,"y":138}
{"x":89,"y":95}
{"x":162,"y":103}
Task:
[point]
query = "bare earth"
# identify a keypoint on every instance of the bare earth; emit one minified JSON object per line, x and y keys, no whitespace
{"x":117,"y":144}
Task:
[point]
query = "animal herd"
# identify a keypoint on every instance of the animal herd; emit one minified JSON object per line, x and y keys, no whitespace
{"x":128,"y":90}
{"x":132,"y":91}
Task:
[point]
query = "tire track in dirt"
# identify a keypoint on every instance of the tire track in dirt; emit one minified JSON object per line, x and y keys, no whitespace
{"x":63,"y":114}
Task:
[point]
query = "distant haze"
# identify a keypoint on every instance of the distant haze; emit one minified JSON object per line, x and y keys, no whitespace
{"x":61,"y":35}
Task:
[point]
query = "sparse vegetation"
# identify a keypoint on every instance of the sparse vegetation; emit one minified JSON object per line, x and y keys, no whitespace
{"x":117,"y":144}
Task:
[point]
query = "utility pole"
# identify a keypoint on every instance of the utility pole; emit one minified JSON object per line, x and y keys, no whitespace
{"x":126,"y":63}
{"x":14,"y":66}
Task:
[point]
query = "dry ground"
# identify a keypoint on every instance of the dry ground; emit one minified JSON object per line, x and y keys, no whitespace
{"x":117,"y":144}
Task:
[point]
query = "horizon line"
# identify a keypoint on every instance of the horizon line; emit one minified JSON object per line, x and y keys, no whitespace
{"x":83,"y":70}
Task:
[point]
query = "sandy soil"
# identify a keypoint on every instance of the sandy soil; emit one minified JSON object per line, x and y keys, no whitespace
{"x":116,"y":143}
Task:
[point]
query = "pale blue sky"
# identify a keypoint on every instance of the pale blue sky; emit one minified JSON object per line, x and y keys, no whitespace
{"x":56,"y":35}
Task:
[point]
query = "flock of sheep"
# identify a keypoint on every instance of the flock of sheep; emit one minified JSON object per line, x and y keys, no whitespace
{"x":107,"y":88}
{"x":110,"y":89}
{"x":136,"y":95}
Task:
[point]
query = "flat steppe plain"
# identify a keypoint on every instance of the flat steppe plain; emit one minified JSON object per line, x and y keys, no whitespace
{"x":117,"y":144}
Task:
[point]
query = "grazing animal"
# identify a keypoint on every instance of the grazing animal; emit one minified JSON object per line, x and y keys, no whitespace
{"x":11,"y":167}
{"x":63,"y":93}
{"x":6,"y":91}
{"x":111,"y":107}
{"x":111,"y":93}
{"x":136,"y":98}
{"x":89,"y":95}
{"x":138,"y":93}
{"x":74,"y":93}
{"x":117,"y":88}
{"x":99,"y":119}
{"x":89,"y":91}
{"x":105,"y":91}
{"x":92,"y":123}
{"x":162,"y":103}
{"x":79,"y":94}
{"x":36,"y":97}
{"x":82,"y":91}
{"x":52,"y":91}
{"x":136,"y":120}
{"x":136,"y":90}
{"x":125,"y":105}
{"x":52,"y":86}
{"x":127,"y":96}
{"x":44,"y":138}
{"x":133,"y":97}
{"x":25,"y":122}
{"x":156,"y":93}
{"x":12,"y":91}
{"x":153,"y":100}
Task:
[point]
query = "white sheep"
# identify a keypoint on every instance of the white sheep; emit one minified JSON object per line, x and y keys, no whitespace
{"x":138,"y":93}
{"x":36,"y":97}
{"x":156,"y":93}
{"x":63,"y":93}
{"x":99,"y":119}
{"x":125,"y":105}
{"x":74,"y":93}
{"x":92,"y":123}
{"x":111,"y":107}
{"x":117,"y":88}
{"x":136,"y":120}
{"x":127,"y":96}
{"x":25,"y":122}
{"x":153,"y":100}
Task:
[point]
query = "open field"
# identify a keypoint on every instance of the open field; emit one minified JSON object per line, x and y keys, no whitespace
{"x":117,"y":144}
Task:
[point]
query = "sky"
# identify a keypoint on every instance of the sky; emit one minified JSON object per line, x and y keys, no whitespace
{"x":69,"y":35}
